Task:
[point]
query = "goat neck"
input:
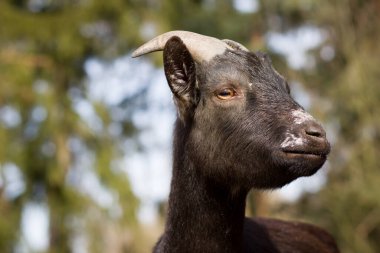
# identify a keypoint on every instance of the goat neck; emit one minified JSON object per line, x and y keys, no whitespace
{"x":204,"y":215}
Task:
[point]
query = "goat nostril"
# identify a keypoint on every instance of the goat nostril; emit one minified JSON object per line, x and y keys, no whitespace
{"x":315,"y":130}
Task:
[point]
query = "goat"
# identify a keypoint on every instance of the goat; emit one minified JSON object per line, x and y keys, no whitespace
{"x":237,"y":128}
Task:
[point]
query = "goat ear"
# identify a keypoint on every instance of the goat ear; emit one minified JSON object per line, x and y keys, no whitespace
{"x":180,"y":73}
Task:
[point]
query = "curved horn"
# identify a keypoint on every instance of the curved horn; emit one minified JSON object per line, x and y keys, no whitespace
{"x":200,"y":46}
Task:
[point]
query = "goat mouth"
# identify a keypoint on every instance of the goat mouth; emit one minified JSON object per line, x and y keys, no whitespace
{"x":305,"y":154}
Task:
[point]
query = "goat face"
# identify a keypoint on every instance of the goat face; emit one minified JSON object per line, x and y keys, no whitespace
{"x":243,"y":127}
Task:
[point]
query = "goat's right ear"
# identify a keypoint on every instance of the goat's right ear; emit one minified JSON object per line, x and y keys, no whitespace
{"x":180,"y":73}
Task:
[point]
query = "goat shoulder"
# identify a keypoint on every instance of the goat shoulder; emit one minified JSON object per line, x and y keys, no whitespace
{"x":262,"y":235}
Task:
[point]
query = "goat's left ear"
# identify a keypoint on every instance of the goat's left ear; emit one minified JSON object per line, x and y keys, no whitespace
{"x":180,"y":73}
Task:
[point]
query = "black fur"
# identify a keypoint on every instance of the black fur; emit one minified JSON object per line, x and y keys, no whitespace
{"x":225,"y":147}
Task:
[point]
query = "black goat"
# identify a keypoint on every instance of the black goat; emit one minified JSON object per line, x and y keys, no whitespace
{"x":238,"y":128}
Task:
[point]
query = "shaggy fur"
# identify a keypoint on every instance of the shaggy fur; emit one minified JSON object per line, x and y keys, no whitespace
{"x":226,"y":145}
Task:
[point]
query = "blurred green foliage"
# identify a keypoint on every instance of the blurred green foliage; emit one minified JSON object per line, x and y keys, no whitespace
{"x":44,"y":44}
{"x":43,"y":47}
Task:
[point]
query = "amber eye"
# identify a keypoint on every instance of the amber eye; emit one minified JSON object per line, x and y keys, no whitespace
{"x":226,"y":93}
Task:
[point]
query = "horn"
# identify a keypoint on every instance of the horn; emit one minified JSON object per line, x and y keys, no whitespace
{"x":201,"y":47}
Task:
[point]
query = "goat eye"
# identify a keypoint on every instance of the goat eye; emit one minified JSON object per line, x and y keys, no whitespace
{"x":226,"y":93}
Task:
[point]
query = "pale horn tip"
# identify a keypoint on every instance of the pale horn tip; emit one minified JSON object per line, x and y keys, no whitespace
{"x":144,"y":50}
{"x":137,"y":53}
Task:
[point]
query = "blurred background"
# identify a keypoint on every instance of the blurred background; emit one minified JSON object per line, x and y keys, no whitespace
{"x":85,"y":131}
